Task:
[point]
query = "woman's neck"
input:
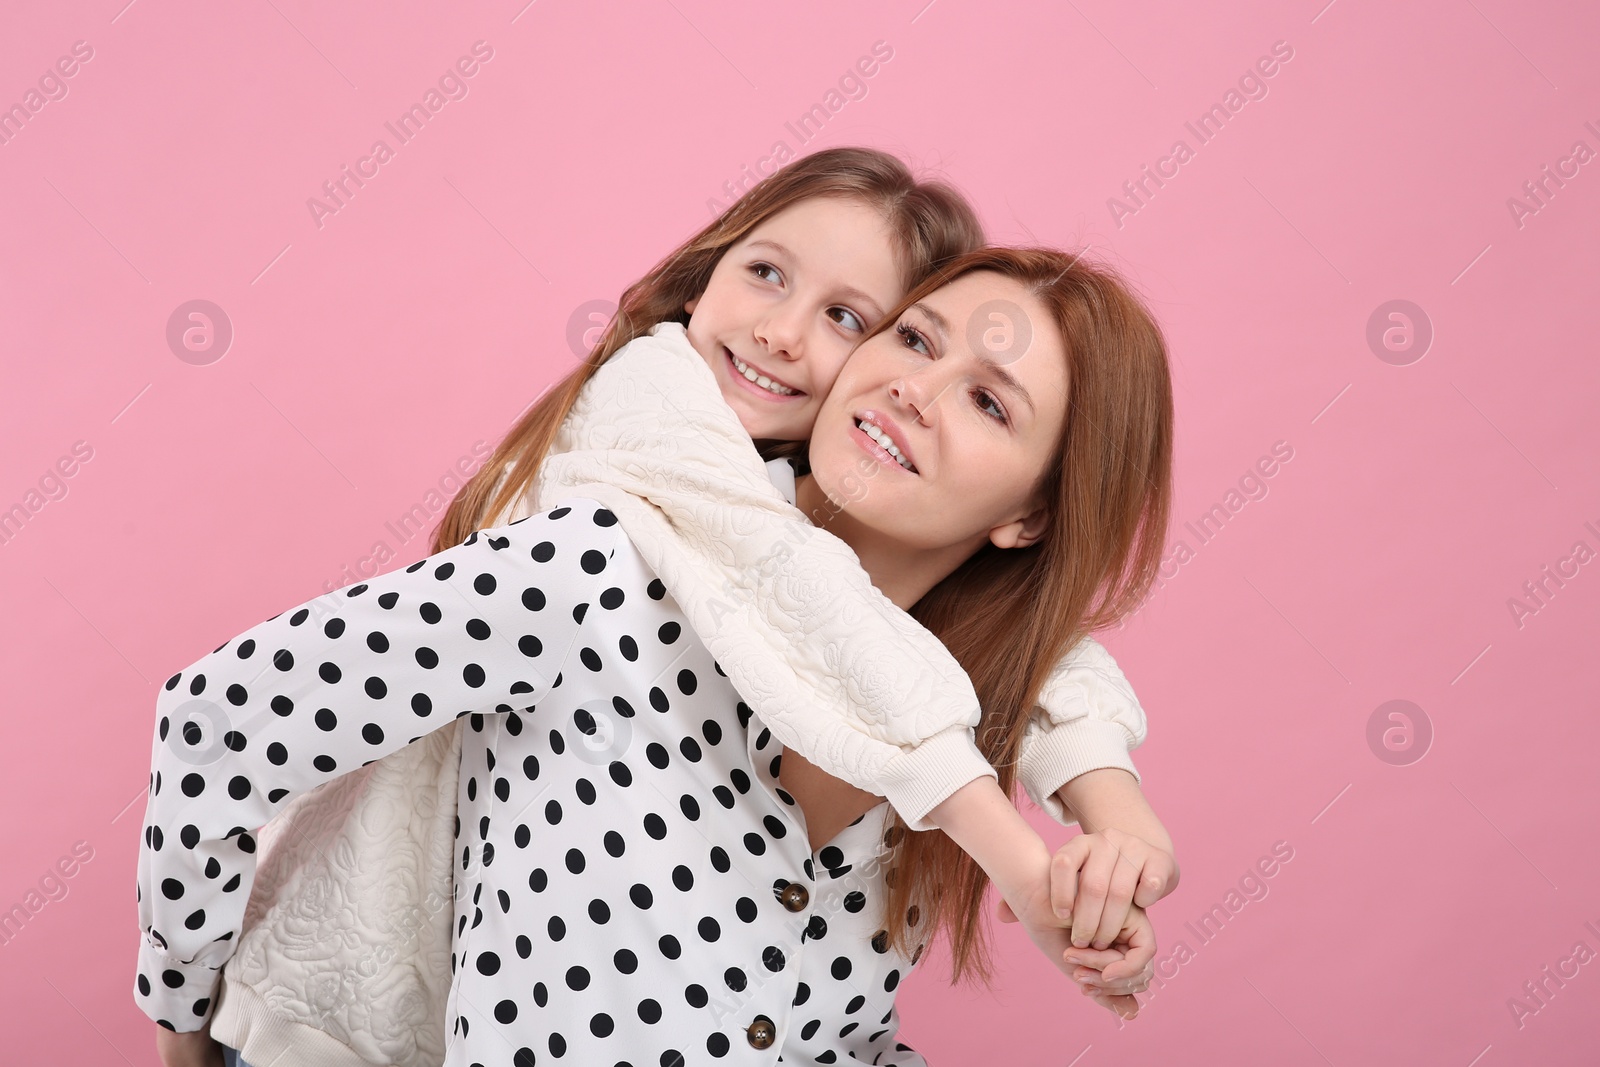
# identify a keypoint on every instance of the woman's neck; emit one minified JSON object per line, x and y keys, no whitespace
{"x":901,"y":572}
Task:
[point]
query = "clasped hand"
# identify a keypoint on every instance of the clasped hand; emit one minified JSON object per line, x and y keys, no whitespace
{"x":1087,"y":914}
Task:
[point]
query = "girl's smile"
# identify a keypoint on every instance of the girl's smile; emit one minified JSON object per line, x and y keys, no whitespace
{"x":785,"y":306}
{"x":767,"y":386}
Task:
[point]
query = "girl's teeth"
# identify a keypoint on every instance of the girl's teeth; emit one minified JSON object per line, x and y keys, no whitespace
{"x":762,"y":380}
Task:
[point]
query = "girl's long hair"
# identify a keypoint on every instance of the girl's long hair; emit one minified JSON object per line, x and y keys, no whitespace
{"x":929,"y":221}
{"x":1008,"y":615}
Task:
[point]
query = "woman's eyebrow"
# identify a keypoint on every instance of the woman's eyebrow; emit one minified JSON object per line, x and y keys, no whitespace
{"x":940,"y":323}
{"x":1009,"y":380}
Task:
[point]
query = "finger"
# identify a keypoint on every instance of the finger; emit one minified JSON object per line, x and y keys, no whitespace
{"x":1064,"y":867}
{"x":1157,"y":880}
{"x":1094,"y":885}
{"x":1095,"y":958}
{"x":1119,"y":898}
{"x":1126,"y":1007}
{"x":1139,"y":942}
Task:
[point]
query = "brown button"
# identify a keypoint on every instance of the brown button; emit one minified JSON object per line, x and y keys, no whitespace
{"x":762,"y":1032}
{"x":795,"y":897}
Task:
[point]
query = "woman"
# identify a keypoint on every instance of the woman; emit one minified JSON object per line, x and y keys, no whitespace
{"x":783,"y":977}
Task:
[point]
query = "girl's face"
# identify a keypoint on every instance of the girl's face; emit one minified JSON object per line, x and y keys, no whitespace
{"x":786,"y":305}
{"x":969,"y":386}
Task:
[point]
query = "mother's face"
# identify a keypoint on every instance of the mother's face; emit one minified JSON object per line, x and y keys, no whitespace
{"x":939,"y":428}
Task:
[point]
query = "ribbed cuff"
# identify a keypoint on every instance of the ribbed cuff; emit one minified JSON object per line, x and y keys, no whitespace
{"x":179,"y":995}
{"x":247,"y":1022}
{"x":919,"y":780}
{"x":1064,"y":751}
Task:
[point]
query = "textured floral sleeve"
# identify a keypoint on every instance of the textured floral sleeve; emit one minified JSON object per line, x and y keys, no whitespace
{"x":1087,"y":718}
{"x":324,"y":689}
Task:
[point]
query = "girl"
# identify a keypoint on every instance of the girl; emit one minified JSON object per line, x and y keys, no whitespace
{"x":919,"y":224}
{"x":562,"y":949}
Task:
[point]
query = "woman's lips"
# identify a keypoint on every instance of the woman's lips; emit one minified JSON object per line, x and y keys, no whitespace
{"x":873,"y":449}
{"x":738,"y":376}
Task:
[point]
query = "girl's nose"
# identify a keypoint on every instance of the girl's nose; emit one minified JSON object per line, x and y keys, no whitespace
{"x":781,"y":334}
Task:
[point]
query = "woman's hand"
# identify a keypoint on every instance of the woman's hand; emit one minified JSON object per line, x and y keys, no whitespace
{"x":193,"y":1049}
{"x":1097,"y":878}
{"x":1029,"y":902}
{"x":1110,"y":976}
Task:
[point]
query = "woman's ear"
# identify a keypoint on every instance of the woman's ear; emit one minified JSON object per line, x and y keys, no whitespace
{"x":1020,"y":533}
{"x":689,"y":305}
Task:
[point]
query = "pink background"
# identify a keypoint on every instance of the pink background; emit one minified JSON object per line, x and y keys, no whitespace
{"x":370,"y":353}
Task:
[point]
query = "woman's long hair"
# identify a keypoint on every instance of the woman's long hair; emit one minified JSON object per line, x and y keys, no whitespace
{"x":1008,"y":615}
{"x":929,"y":222}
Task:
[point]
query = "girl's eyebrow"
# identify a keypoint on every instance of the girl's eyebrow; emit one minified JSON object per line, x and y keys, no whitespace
{"x":848,"y":290}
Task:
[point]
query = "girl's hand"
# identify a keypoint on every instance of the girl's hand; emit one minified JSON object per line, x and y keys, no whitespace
{"x":193,"y":1049}
{"x":1095,"y":879}
{"x":1112,"y":975}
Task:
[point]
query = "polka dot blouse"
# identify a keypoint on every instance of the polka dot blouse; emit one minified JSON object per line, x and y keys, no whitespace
{"x":633,"y":886}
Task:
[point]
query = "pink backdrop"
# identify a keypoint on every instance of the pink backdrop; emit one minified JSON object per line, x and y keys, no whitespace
{"x":160,"y":499}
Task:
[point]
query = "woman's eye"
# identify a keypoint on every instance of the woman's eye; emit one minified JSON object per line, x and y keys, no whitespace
{"x":989,"y":405}
{"x":847,"y":318}
{"x":911,"y":337}
{"x":757,"y":268}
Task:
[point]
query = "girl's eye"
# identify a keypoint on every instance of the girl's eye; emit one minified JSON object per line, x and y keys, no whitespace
{"x":911,"y":337}
{"x":989,"y":405}
{"x":757,"y":268}
{"x":847,"y":318}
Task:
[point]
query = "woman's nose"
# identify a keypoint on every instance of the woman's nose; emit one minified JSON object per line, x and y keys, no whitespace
{"x":912,"y":391}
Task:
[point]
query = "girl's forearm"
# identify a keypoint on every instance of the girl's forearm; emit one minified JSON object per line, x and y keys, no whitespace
{"x":1110,"y":797}
{"x":982,"y":821}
